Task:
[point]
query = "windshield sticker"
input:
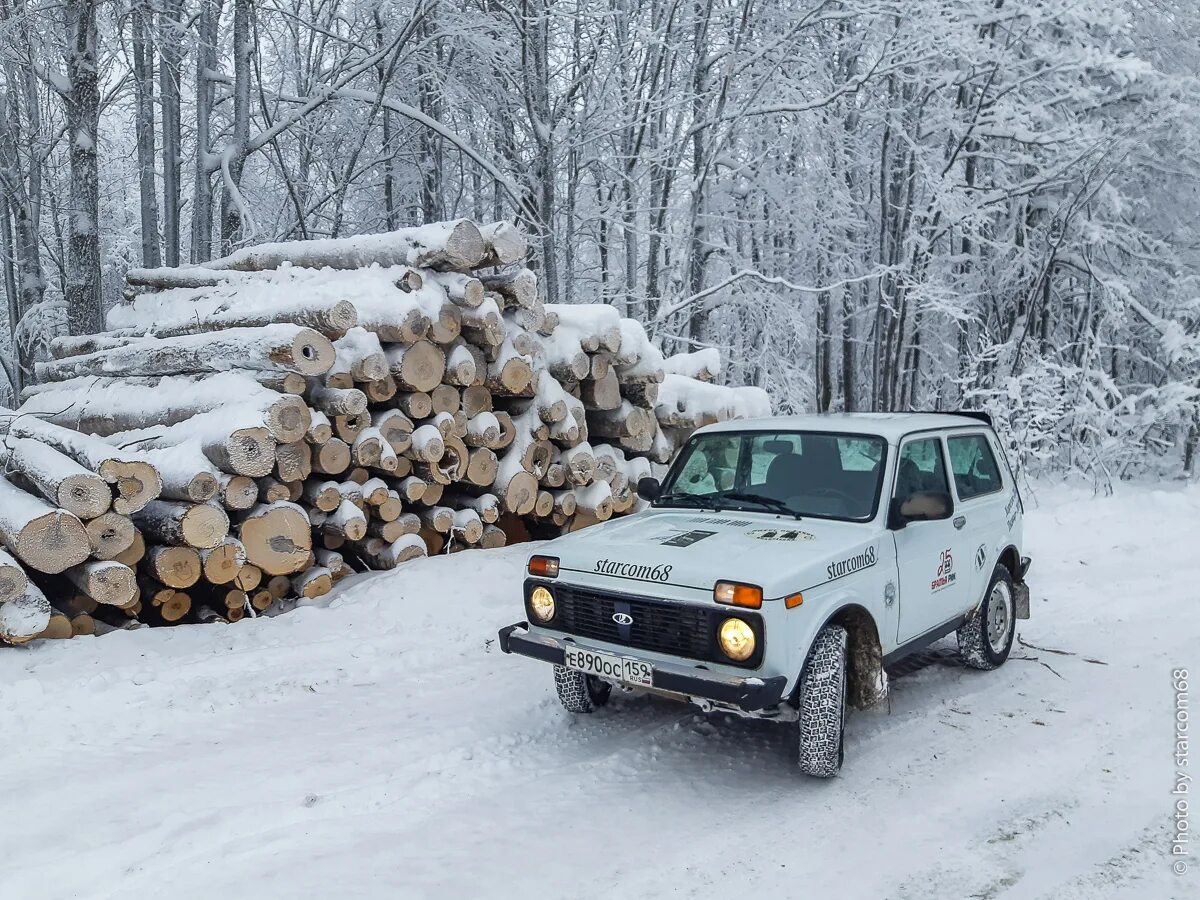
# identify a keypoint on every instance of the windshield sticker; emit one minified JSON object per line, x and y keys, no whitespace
{"x":779,"y":534}
{"x":945,"y":572}
{"x":853,"y":564}
{"x":702,"y":520}
{"x":633,"y":571}
{"x":686,"y":538}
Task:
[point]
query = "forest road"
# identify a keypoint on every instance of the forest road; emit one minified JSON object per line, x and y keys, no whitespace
{"x":384,"y":747}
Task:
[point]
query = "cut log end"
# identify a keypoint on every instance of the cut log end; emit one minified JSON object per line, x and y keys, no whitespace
{"x":110,"y":535}
{"x":110,"y":583}
{"x":137,"y":483}
{"x":51,"y":543}
{"x":176,"y":567}
{"x":278,"y":539}
{"x":87,"y":496}
{"x":205,"y":526}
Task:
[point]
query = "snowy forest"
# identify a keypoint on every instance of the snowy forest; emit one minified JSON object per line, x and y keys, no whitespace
{"x":865,"y":205}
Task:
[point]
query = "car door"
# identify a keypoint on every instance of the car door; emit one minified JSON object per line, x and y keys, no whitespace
{"x":980,"y":506}
{"x":929,"y":554}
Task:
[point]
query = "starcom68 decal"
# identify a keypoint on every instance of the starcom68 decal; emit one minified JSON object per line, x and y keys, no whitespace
{"x":636,"y":571}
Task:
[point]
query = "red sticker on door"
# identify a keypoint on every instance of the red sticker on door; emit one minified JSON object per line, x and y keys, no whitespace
{"x":945,"y":572}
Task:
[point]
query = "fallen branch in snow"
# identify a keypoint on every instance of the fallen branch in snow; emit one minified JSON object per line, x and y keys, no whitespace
{"x":1025,"y":643}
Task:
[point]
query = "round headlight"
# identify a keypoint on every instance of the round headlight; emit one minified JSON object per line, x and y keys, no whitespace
{"x":541,"y":604}
{"x":737,"y":639}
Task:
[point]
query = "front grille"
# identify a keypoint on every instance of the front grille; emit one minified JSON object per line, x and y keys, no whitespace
{"x":673,"y":628}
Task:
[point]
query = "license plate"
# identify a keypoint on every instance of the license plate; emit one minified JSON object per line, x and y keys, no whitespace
{"x":609,"y":665}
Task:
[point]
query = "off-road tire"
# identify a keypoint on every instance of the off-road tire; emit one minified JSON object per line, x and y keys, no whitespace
{"x":977,"y":648}
{"x":580,"y":693}
{"x":822,"y":704}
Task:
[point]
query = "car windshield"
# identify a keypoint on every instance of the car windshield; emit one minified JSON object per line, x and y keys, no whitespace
{"x":800,"y":473}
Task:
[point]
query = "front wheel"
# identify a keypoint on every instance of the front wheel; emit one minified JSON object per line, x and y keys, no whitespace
{"x":821,"y":724}
{"x":986,"y":638}
{"x":580,"y":693}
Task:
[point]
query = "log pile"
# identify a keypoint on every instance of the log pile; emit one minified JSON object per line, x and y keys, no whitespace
{"x":260,"y":427}
{"x":68,"y":504}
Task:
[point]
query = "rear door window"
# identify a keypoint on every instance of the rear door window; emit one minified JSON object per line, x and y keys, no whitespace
{"x":974,"y":466}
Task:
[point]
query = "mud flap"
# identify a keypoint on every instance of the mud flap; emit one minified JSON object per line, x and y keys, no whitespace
{"x":1021,"y":599}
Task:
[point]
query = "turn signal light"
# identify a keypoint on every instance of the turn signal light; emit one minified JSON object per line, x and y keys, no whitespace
{"x":543,"y":566}
{"x":733,"y":594}
{"x":791,"y":602}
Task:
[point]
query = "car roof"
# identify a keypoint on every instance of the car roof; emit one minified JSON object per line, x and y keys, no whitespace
{"x":890,"y":426}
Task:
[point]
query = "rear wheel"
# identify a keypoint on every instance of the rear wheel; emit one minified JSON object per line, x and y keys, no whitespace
{"x":580,"y":693}
{"x":821,"y":724}
{"x":986,"y":638}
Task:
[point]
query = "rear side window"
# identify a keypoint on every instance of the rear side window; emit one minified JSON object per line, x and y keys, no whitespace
{"x":974,"y":466}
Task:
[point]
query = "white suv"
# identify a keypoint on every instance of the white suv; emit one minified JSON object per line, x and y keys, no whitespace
{"x":782,"y":564}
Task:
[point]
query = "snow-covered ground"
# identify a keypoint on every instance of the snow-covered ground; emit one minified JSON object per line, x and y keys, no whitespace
{"x":384,"y":747}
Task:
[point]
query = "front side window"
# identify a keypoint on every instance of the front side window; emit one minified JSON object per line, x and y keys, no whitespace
{"x":974,"y":466}
{"x":921,"y":469}
{"x":831,"y":476}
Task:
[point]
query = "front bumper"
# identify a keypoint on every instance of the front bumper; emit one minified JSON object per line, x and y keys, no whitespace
{"x":747,"y":694}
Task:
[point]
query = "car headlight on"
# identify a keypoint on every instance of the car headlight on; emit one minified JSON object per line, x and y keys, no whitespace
{"x":541,"y":604}
{"x":736,"y":639}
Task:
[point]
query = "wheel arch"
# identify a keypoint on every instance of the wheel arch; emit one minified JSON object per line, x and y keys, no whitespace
{"x":1010,"y":558}
{"x":864,"y":659}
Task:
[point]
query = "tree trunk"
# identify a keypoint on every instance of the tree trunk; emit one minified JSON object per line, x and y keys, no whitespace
{"x":233,"y":156}
{"x":143,"y":80}
{"x":169,"y":74}
{"x":84,"y":306}
{"x":206,"y":65}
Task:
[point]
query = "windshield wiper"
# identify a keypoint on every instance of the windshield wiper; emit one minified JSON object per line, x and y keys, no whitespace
{"x":762,"y":500}
{"x":693,"y":500}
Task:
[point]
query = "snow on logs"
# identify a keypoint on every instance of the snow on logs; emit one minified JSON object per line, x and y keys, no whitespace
{"x":440,"y":245}
{"x":257,"y":428}
{"x":134,"y":480}
{"x":290,"y":348}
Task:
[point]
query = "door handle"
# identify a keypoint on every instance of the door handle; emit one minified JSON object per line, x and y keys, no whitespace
{"x":960,"y":521}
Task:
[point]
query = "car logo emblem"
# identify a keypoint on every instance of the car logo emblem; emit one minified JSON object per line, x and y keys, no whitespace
{"x":622,"y":618}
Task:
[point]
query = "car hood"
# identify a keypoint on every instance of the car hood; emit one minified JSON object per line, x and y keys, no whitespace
{"x":693,"y":549}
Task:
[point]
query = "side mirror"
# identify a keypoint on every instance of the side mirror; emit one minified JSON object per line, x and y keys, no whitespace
{"x":649,"y":489}
{"x":919,"y":506}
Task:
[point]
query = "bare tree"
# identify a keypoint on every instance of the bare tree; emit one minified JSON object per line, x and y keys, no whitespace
{"x":140,"y":20}
{"x":82,"y":100}
{"x":170,"y":73}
